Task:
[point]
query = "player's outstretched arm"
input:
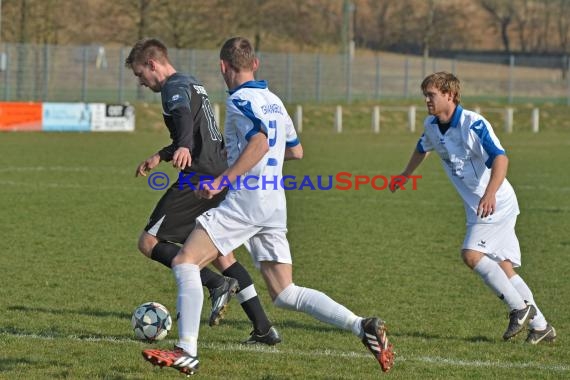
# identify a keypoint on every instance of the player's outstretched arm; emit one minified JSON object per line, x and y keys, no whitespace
{"x":294,"y":153}
{"x":147,"y":165}
{"x":415,"y":161}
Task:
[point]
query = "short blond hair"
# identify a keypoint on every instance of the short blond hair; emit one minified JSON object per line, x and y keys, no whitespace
{"x":445,"y":82}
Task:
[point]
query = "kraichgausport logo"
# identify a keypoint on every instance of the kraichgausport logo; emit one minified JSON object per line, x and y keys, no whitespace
{"x":340,"y":181}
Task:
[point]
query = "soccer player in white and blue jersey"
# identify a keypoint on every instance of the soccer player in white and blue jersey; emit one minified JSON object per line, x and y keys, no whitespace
{"x":259,"y":135}
{"x":476,"y":164}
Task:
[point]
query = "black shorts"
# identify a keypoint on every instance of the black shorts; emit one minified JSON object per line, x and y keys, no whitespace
{"x":175,"y":214}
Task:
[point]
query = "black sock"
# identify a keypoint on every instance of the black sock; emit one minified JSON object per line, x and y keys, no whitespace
{"x":164,"y":252}
{"x":252,"y":306}
{"x":211,"y":279}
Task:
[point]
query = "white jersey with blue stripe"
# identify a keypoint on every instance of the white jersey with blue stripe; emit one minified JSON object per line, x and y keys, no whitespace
{"x":258,"y":197}
{"x":467,"y":150}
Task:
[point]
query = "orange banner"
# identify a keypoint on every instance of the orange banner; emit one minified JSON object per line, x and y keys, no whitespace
{"x":20,"y":116}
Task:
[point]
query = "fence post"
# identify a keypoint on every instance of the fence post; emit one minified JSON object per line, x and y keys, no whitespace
{"x":318,"y":79}
{"x":45,"y":89}
{"x":288,"y":80}
{"x":568,"y":82}
{"x":511,"y":77}
{"x":348,"y":78}
{"x":21,"y":64}
{"x":535,"y":119}
{"x":378,"y":78}
{"x":84,"y":75}
{"x":121,"y":75}
{"x":412,"y":118}
{"x":509,"y":119}
{"x":376,"y":119}
{"x":6,"y":77}
{"x":299,"y":118}
{"x":406,"y":77}
{"x":338,"y":119}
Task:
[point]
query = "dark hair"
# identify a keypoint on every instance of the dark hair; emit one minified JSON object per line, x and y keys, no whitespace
{"x":145,"y":49}
{"x":239,"y":53}
{"x":445,"y":82}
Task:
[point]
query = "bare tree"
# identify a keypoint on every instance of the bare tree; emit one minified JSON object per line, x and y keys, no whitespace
{"x":409,"y":26}
{"x":124,"y":21}
{"x":546,"y":27}
{"x":522,"y":18}
{"x":502,"y":13}
{"x":371,"y":21}
{"x":563,"y":25}
{"x":428,"y":29}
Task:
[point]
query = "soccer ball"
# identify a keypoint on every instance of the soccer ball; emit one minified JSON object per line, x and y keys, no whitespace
{"x":151,"y":321}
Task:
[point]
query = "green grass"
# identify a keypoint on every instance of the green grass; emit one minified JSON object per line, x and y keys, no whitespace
{"x":71,"y":211}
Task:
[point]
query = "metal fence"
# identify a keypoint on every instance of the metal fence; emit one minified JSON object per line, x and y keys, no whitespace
{"x":97,"y":74}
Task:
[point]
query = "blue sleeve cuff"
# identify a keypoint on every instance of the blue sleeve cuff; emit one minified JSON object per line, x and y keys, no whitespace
{"x":292,"y":143}
{"x":419,"y":147}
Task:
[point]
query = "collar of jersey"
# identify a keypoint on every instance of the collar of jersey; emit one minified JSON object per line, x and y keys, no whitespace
{"x":454,"y":119}
{"x":250,"y":84}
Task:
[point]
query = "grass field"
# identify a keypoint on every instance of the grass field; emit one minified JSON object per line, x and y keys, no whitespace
{"x":71,"y":211}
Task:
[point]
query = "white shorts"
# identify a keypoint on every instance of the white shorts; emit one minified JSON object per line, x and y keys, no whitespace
{"x":228,"y":233}
{"x":498,"y":241}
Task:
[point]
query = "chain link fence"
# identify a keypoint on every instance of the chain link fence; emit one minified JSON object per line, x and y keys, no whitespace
{"x":97,"y":74}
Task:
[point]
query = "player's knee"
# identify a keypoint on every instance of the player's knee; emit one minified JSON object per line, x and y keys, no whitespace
{"x":471,"y":258}
{"x":146,"y":243}
{"x":288,"y":298}
{"x":224,"y":262}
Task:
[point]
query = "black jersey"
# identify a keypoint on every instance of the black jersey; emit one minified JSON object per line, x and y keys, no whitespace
{"x":190,"y":120}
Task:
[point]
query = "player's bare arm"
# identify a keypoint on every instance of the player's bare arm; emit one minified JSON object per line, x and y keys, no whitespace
{"x":147,"y":165}
{"x":252,"y":154}
{"x":181,"y":158}
{"x":415,"y":161}
{"x":294,"y":153}
{"x":488,"y":202}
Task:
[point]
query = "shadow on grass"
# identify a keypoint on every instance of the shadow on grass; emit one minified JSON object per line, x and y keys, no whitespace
{"x":325,"y":328}
{"x":55,"y":334}
{"x":239,"y":324}
{"x":422,"y":335}
{"x":10,"y":364}
{"x":87,"y":312}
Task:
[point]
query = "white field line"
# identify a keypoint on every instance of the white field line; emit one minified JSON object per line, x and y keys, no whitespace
{"x":61,"y":185}
{"x":58,"y":185}
{"x":79,"y":169}
{"x":433,"y":360}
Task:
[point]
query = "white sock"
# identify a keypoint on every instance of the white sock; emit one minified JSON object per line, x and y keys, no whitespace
{"x":320,"y":306}
{"x":538,"y":322}
{"x":496,"y":279}
{"x":246,"y":294}
{"x":189,"y":306}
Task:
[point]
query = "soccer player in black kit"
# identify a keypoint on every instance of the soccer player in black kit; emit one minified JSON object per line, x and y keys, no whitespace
{"x":197,"y":149}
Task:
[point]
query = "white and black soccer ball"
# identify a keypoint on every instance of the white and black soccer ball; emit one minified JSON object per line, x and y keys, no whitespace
{"x":151,"y":321}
